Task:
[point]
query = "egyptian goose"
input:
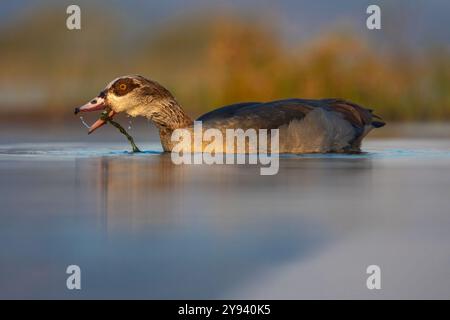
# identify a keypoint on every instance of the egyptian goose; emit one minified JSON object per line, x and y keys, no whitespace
{"x":305,"y":125}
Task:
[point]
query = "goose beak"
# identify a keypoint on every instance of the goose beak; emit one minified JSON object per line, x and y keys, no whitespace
{"x":102,"y":121}
{"x":95,"y":104}
{"x":98,"y":103}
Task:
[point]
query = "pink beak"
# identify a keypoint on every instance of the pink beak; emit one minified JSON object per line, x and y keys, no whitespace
{"x":96,"y":104}
{"x":93,"y":105}
{"x":100,"y":122}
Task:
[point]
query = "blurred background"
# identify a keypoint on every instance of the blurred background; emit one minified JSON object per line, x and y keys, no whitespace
{"x":212,"y":53}
{"x":142,"y":227}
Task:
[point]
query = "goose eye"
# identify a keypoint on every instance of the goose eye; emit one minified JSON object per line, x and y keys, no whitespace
{"x":123,"y":87}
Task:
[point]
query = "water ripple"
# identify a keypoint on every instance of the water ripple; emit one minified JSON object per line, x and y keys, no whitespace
{"x":62,"y":151}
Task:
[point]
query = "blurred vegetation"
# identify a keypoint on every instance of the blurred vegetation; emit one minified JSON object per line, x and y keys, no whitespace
{"x":212,"y":60}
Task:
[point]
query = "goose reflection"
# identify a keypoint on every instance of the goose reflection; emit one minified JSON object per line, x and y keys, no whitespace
{"x":151,"y":191}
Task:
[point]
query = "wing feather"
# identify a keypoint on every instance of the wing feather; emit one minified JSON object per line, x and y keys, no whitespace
{"x":271,"y":115}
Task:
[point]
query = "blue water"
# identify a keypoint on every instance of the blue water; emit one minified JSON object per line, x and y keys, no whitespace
{"x":141,"y":227}
{"x":78,"y":150}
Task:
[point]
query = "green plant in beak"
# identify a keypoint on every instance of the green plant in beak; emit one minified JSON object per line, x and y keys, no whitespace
{"x":105,"y":117}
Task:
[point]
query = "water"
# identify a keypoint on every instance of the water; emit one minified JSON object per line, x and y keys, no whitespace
{"x":141,"y":227}
{"x":130,"y":123}
{"x":84,"y":123}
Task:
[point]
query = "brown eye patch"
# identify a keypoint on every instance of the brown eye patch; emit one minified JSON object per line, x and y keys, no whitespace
{"x":123,"y":86}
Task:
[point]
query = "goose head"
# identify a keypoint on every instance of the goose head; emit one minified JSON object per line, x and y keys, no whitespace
{"x":135,"y":96}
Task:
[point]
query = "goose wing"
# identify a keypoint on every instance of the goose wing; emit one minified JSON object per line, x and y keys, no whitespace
{"x":257,"y":115}
{"x":272,"y":115}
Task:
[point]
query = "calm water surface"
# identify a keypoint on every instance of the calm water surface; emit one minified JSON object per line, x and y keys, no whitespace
{"x":142,"y":227}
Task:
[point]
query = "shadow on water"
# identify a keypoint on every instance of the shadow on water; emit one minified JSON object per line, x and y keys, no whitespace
{"x":140,"y":226}
{"x":197,"y":231}
{"x":187,"y":232}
